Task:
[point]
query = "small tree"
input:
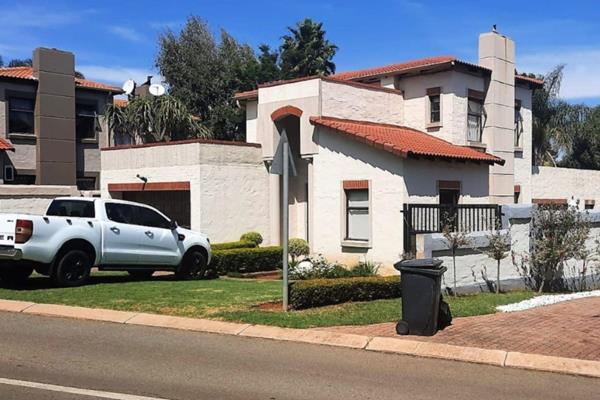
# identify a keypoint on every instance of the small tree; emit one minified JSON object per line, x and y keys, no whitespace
{"x":498,"y":250}
{"x":455,"y":240}
{"x":298,"y":248}
{"x":558,"y":234}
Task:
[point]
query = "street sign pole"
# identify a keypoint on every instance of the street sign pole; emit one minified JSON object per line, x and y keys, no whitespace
{"x":283,"y":164}
{"x":285,"y":222}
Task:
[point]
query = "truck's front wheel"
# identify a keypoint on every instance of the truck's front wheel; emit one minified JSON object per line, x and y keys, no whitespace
{"x":72,"y":268}
{"x":193,"y":266}
{"x":15,"y":275}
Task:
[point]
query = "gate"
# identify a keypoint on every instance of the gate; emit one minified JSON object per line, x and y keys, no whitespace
{"x":431,"y":218}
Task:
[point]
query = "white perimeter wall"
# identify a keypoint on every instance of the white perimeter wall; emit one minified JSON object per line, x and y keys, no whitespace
{"x":565,"y":183}
{"x":228,"y":183}
{"x":31,"y":199}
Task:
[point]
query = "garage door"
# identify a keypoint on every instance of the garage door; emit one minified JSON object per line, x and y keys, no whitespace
{"x":173,"y":203}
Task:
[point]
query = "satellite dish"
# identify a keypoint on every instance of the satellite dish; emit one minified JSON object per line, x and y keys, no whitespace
{"x":129,"y":86}
{"x":156,"y":89}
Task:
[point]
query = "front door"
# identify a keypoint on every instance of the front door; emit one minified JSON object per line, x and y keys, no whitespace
{"x":159,"y":244}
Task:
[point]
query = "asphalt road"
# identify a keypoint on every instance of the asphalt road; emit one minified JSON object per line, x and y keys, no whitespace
{"x":168,"y":364}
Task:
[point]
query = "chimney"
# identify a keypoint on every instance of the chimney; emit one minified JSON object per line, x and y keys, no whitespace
{"x":55,"y":117}
{"x":497,"y":53}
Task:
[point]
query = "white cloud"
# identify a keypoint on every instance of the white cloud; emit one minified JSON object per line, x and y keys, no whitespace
{"x":581,"y":77}
{"x":116,"y":75}
{"x":126,"y":33}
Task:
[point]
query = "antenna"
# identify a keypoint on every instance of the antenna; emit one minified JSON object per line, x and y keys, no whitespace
{"x":157,"y":89}
{"x":129,"y":86}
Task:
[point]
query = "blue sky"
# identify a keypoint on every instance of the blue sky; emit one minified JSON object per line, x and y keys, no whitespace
{"x":117,"y":40}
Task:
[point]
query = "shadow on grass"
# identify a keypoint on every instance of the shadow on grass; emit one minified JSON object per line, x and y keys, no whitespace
{"x":43,"y":282}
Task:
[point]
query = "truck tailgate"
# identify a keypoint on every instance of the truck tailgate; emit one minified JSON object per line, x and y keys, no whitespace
{"x":7,"y":229}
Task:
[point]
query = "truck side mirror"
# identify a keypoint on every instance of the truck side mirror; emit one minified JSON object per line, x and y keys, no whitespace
{"x":173,"y":225}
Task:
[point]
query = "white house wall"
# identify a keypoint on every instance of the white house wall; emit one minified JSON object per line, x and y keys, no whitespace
{"x":350,"y":102}
{"x":228,"y":194}
{"x":341,"y":158}
{"x":454,"y":88}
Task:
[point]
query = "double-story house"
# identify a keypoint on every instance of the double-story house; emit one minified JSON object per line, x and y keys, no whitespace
{"x":436,"y":130}
{"x":51,"y":129}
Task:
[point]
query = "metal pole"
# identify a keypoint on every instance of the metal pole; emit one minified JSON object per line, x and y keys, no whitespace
{"x":285,"y":223}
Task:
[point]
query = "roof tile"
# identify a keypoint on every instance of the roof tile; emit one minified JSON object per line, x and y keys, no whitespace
{"x":404,"y":141}
{"x":5,"y":145}
{"x":27,"y":73}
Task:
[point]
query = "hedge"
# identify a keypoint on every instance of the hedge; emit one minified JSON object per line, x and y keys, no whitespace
{"x":247,"y":260}
{"x":323,"y":292}
{"x":240,"y":244}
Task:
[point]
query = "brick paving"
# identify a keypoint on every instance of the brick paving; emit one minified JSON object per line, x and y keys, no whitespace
{"x":569,"y":329}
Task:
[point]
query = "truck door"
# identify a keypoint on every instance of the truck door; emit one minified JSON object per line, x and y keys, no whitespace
{"x":122,"y":238}
{"x":159,"y":244}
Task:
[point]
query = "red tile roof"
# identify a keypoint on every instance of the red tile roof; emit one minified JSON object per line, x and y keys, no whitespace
{"x":403,"y":141}
{"x":5,"y":145}
{"x":120,"y":102}
{"x":250,"y":94}
{"x":537,"y":82}
{"x":394,"y":68}
{"x":27,"y":73}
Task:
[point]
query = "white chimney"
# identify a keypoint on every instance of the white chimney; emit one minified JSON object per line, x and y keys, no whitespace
{"x":497,"y":53}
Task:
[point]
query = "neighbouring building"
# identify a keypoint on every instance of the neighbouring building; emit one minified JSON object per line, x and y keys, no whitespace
{"x":51,"y":126}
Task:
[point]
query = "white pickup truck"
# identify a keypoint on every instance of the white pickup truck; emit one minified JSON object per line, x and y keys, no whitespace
{"x":78,"y":233}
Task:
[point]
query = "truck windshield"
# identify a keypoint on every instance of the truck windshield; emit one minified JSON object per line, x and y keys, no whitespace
{"x":71,"y":208}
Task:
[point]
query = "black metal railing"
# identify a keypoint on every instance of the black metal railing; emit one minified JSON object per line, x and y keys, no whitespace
{"x":431,"y":218}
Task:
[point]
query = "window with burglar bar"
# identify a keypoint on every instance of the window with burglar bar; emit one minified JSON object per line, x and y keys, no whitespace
{"x":475,"y":120}
{"x":357,"y":214}
{"x":85,"y":123}
{"x":518,"y":126}
{"x":20,"y":115}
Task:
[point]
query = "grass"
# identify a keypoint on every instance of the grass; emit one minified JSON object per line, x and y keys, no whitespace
{"x":231,"y":300}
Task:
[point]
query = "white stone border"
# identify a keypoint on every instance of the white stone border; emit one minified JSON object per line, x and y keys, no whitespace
{"x":546,"y":300}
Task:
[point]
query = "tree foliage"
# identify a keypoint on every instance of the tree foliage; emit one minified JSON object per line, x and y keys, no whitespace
{"x":205,"y":71}
{"x":306,"y":52}
{"x":154,"y":119}
{"x":585,"y":147}
{"x":498,"y":249}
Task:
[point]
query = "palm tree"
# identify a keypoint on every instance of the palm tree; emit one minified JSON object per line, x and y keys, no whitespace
{"x":306,"y":52}
{"x":154,"y":119}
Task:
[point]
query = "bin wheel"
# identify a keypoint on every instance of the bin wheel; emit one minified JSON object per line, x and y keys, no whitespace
{"x":402,"y":328}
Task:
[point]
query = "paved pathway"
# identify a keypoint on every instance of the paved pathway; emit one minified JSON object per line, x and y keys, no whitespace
{"x":569,"y":329}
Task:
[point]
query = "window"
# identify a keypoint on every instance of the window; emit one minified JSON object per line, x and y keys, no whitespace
{"x":147,"y":217}
{"x":119,"y":212}
{"x":85,"y":122}
{"x":475,"y":120}
{"x":518,"y":124}
{"x":434,"y":96}
{"x":20,"y":115}
{"x":9,"y":173}
{"x":23,"y":179}
{"x":86,"y":183}
{"x":357,"y":214}
{"x":71,"y":208}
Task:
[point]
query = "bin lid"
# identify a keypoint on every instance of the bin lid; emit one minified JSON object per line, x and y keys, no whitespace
{"x":423,"y":265}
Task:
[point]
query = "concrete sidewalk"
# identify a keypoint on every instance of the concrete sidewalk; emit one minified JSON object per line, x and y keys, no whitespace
{"x":331,"y":337}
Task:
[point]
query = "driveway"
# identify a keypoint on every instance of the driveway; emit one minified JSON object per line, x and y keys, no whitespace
{"x":569,"y":329}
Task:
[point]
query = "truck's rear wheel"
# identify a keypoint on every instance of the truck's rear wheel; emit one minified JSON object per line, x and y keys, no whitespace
{"x":72,"y":268}
{"x":193,"y":266}
{"x":15,"y":276}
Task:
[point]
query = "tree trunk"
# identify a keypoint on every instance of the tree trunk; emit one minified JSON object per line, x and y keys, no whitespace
{"x":454,"y":271}
{"x":498,"y":278}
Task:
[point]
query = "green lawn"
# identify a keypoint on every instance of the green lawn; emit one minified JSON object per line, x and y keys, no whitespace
{"x":231,"y":300}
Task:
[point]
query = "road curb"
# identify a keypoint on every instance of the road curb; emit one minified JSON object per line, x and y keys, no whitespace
{"x":403,"y":346}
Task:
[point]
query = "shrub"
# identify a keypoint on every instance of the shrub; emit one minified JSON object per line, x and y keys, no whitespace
{"x":298,"y":248}
{"x":240,"y":244}
{"x":247,"y":260}
{"x":321,"y":268}
{"x":252,"y":237}
{"x":322,"y":292}
{"x":365,"y":268}
{"x":558,"y":234}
